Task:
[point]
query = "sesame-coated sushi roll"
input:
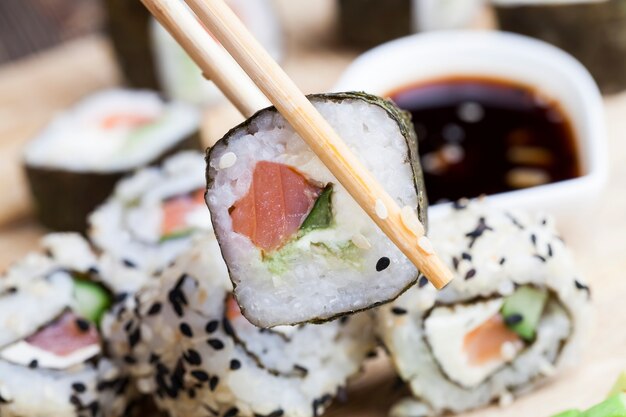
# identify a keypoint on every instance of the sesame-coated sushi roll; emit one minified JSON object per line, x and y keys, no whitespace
{"x":187,"y":342}
{"x":52,"y":359}
{"x":514,"y":316}
{"x":297,"y":246}
{"x":73,"y":165}
{"x":152,"y":215}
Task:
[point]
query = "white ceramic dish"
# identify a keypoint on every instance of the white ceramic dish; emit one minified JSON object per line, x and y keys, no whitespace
{"x":434,"y":55}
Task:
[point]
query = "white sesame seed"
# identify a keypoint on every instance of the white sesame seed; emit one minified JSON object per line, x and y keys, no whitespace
{"x":381,"y":209}
{"x":546,"y":368}
{"x":506,"y":399}
{"x":361,"y":241}
{"x":410,"y":221}
{"x":425,"y":245}
{"x":506,"y":288}
{"x":227,"y":160}
{"x":5,"y":394}
{"x":144,"y":386}
{"x":508,"y":351}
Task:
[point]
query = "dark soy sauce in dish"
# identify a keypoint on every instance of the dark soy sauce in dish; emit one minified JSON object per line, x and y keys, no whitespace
{"x":486,"y":136}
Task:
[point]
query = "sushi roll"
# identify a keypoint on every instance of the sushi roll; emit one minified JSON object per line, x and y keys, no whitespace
{"x":297,"y":246}
{"x":73,"y":165}
{"x":515,"y":315}
{"x":152,"y":215}
{"x":188,"y":344}
{"x":52,"y":361}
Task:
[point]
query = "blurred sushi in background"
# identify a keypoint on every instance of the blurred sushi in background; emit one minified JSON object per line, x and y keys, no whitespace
{"x":52,"y":359}
{"x":152,"y":215}
{"x":74,"y":163}
{"x":184,"y":340}
{"x":515,"y":315}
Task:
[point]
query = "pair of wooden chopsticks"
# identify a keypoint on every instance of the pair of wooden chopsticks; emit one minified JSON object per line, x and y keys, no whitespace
{"x":248,"y":69}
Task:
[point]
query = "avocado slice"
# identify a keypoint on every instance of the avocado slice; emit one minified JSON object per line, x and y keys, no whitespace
{"x":522,"y":310}
{"x":614,"y":406}
{"x":91,"y":300}
{"x":620,"y":385}
{"x":569,"y":413}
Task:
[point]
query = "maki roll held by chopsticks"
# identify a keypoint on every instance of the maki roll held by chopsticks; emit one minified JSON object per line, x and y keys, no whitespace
{"x":297,"y":246}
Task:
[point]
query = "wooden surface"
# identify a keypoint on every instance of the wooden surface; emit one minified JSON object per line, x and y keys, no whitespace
{"x":32,"y":91}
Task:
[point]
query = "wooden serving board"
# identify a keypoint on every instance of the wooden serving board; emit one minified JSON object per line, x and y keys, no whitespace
{"x":33,"y":90}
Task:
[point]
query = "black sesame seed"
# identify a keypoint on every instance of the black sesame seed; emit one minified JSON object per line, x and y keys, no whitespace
{"x":33,"y":364}
{"x":235,"y":364}
{"x":200,"y":375}
{"x":515,"y":221}
{"x":455,"y":263}
{"x":119,"y":297}
{"x":398,"y":311}
{"x":185,"y":329}
{"x":228,"y":329}
{"x":541,"y":258}
{"x":276,"y":413}
{"x":210,"y":410}
{"x":550,"y":254}
{"x":82,"y":324}
{"x":128,"y":325}
{"x":75,"y":401}
{"x":134,"y":338}
{"x":422,"y":282}
{"x":470,"y":274}
{"x":216,"y":344}
{"x":130,"y":359}
{"x":79,"y":387}
{"x":502,"y":260}
{"x":213,"y":382}
{"x":93,"y":270}
{"x":301,"y":369}
{"x":533,"y":239}
{"x":193,"y":357}
{"x":481,"y":228}
{"x":232,"y":412}
{"x":582,"y":286}
{"x":382,"y":264}
{"x":154,"y":358}
{"x":513,"y":319}
{"x":155,"y":309}
{"x":466,"y":256}
{"x":344,"y":319}
{"x":212,"y":326}
{"x":94,"y":407}
{"x":191,"y":393}
{"x":129,"y":263}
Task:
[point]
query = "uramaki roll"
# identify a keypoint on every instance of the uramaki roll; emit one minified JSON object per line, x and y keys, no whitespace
{"x":514,"y":316}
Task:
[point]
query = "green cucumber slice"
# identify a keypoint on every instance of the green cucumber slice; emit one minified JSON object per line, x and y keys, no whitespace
{"x":91,"y":300}
{"x":522,"y":310}
{"x":614,"y":406}
{"x":321,"y":215}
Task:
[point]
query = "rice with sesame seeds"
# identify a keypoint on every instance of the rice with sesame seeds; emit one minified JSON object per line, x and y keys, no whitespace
{"x":51,"y":356}
{"x":214,"y":360}
{"x":475,"y":342}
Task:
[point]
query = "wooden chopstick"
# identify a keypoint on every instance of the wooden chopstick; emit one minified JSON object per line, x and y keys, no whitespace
{"x":216,"y":64}
{"x":315,"y":131}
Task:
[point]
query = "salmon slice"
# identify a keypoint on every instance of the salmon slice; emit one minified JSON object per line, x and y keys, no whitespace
{"x":65,"y":335}
{"x":124,"y":120}
{"x":484,"y":343}
{"x":278,"y":201}
{"x":176,"y":209}
{"x":233,"y":311}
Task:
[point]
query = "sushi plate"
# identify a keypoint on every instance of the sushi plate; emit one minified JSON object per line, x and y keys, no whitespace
{"x":32,"y":91}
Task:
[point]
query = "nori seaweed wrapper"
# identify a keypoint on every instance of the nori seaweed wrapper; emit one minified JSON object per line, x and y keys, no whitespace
{"x":594,"y":33}
{"x":63,"y":199}
{"x":128,"y":26}
{"x":367,"y":23}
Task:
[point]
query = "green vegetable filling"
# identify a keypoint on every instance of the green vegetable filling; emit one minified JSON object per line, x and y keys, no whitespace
{"x":92,"y":299}
{"x":620,"y":385}
{"x":614,"y":406}
{"x":523,"y":309}
{"x":321,"y":215}
{"x":176,"y":235}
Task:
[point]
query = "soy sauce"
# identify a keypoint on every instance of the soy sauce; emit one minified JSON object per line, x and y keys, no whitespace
{"x":487,"y":136}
